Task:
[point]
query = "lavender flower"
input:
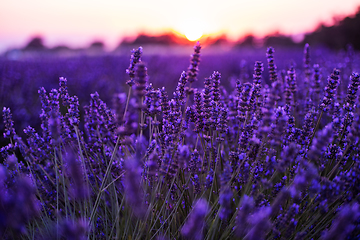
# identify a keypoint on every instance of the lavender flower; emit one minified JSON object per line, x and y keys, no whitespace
{"x":194,"y":63}
{"x":152,"y":101}
{"x":317,"y":79}
{"x":288,"y":93}
{"x":279,"y":128}
{"x":246,"y":207}
{"x":194,"y":162}
{"x":290,"y":130}
{"x":9,"y":131}
{"x":319,"y":144}
{"x":214,"y":114}
{"x":288,"y":156}
{"x":207,"y":98}
{"x":225,"y":197}
{"x":292,"y":80}
{"x":352,"y":91}
{"x":18,"y":204}
{"x":164,"y":101}
{"x":216,"y":86}
{"x":247,"y":133}
{"x":133,"y":191}
{"x":54,"y":127}
{"x":194,"y":225}
{"x":44,"y":116}
{"x":302,"y":179}
{"x":330,"y":89}
{"x":307,"y":62}
{"x":279,"y":201}
{"x":135,"y":58}
{"x":287,"y":222}
{"x":244,"y":101}
{"x":72,"y":230}
{"x":175,"y":117}
{"x":76,"y":174}
{"x":260,"y":224}
{"x":118,"y":106}
{"x":343,"y":225}
{"x":268,"y":108}
{"x":308,"y":127}
{"x":63,"y":90}
{"x":198,"y":99}
{"x":180,"y":88}
{"x":258,"y":69}
{"x":222,"y":126}
{"x":196,"y":184}
{"x":141,"y":79}
{"x":73,"y":111}
{"x":271,"y":65}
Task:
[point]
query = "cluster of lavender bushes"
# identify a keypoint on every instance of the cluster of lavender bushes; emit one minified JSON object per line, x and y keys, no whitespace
{"x":21,"y":79}
{"x":259,"y":161}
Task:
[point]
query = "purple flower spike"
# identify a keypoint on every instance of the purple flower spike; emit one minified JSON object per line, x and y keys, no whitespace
{"x":54,"y":127}
{"x":260,"y":224}
{"x":320,"y":143}
{"x":307,"y":61}
{"x":343,"y":225}
{"x":330,"y":89}
{"x":245,"y":209}
{"x":73,"y":229}
{"x":193,"y":227}
{"x":180,"y":88}
{"x":194,"y":63}
{"x":141,"y":79}
{"x":9,"y":131}
{"x":352,"y":91}
{"x":271,"y":65}
{"x":279,"y":201}
{"x":317,"y":79}
{"x":64,"y":94}
{"x":225,"y":199}
{"x":199,"y":106}
{"x":292,"y":80}
{"x":135,"y":58}
{"x":134,"y":193}
{"x":216,"y":86}
{"x":75,"y":172}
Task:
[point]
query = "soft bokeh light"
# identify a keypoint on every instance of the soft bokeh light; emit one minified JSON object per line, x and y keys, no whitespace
{"x":193,"y":34}
{"x":79,"y":22}
{"x":192,"y":27}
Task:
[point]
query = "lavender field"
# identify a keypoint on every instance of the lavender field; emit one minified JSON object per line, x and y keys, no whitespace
{"x":246,"y":144}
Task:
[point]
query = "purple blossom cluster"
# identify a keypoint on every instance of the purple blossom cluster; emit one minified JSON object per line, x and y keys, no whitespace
{"x":270,"y":158}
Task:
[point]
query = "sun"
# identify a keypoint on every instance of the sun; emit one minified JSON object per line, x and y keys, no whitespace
{"x":193,"y":34}
{"x":192,"y":28}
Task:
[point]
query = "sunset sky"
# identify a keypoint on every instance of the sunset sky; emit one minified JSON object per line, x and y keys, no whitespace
{"x":79,"y":22}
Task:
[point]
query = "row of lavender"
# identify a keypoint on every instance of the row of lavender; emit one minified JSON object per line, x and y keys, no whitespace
{"x":20,"y":80}
{"x":262,"y":161}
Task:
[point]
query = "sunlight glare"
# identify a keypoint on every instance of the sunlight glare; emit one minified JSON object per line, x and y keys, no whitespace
{"x":193,"y":34}
{"x":193,"y":26}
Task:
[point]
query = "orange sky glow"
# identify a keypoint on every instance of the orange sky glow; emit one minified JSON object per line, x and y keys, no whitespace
{"x":77,"y":23}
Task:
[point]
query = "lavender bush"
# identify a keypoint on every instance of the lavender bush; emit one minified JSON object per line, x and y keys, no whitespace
{"x":274,"y":157}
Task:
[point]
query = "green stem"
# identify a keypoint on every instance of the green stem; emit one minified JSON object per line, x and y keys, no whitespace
{"x":315,"y":129}
{"x":127,"y":103}
{"x":103,"y":182}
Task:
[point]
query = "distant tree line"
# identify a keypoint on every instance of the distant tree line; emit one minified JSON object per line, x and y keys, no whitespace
{"x":37,"y":44}
{"x":338,"y":36}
